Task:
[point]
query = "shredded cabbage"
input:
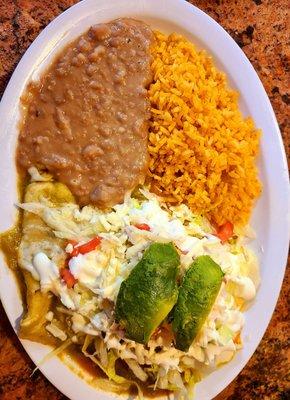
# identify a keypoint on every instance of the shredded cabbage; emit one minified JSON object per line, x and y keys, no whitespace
{"x":101,"y":272}
{"x":109,"y":369}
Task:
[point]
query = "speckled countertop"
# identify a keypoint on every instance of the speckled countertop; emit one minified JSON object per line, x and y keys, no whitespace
{"x":260,"y":29}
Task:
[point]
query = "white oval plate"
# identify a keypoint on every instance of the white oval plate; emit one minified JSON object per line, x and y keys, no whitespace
{"x":270,"y":215}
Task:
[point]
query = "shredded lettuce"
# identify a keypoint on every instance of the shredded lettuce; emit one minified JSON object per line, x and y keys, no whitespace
{"x":110,"y":370}
{"x":52,"y":354}
{"x":122,"y":246}
{"x":137,"y":370}
{"x":225,"y":334}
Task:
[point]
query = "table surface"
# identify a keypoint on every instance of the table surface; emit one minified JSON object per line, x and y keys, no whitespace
{"x":260,"y":29}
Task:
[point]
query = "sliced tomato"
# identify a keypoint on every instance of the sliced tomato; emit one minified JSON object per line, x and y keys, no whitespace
{"x":68,"y":277}
{"x":143,"y":227}
{"x":225,"y":231}
{"x":86,"y":247}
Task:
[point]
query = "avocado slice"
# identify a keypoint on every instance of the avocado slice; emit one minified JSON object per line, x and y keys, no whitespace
{"x":149,"y":293}
{"x":198,"y":291}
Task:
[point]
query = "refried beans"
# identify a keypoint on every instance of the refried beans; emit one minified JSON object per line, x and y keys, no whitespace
{"x":86,"y":119}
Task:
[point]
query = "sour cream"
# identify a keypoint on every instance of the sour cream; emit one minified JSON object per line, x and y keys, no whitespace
{"x":243,"y":287}
{"x":46,"y":270}
{"x":99,"y":271}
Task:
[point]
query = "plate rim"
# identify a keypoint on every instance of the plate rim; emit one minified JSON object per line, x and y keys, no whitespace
{"x":38,"y":46}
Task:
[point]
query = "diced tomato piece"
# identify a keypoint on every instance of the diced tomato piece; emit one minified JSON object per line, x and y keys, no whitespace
{"x":143,"y":227}
{"x":68,"y":277}
{"x":72,"y":242}
{"x":66,"y":261}
{"x":89,"y":246}
{"x":74,"y":252}
{"x":225,"y":231}
{"x":86,"y":247}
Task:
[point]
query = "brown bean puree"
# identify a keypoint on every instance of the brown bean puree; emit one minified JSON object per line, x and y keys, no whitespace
{"x":86,"y":119}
